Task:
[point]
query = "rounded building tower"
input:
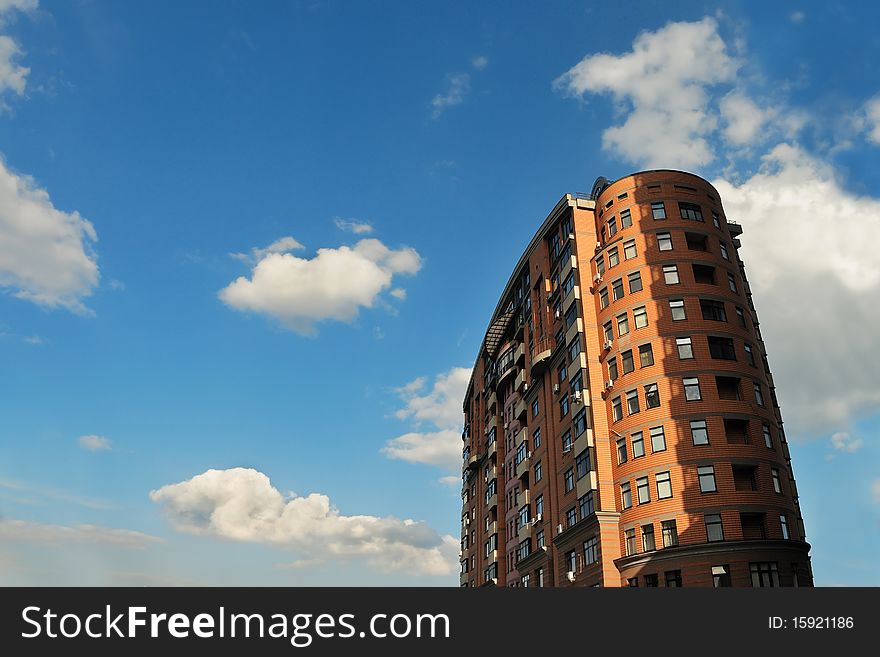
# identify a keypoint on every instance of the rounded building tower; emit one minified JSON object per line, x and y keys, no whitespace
{"x":621,"y":425}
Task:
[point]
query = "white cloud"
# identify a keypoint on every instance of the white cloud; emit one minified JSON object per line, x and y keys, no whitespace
{"x":480,"y":62}
{"x":242,"y":504}
{"x":13,"y":76}
{"x":354,"y":226}
{"x":844,"y":442}
{"x":451,"y":480}
{"x":815,"y":286}
{"x":34,"y":532}
{"x":662,"y":84}
{"x":334,"y":285}
{"x":399,"y":293}
{"x":45,"y":254}
{"x":742,"y":117}
{"x":459,"y":85}
{"x":21,"y":5}
{"x":441,"y":408}
{"x":797,"y":17}
{"x":875,"y":489}
{"x":872,"y":119}
{"x":94,"y":443}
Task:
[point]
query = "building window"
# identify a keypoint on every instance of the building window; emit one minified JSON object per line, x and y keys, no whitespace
{"x":612,"y":227}
{"x":740,"y":317}
{"x":696,"y":242}
{"x":721,"y":348}
{"x":632,"y":402}
{"x":621,"y":450}
{"x":736,"y":431}
{"x":603,"y":297}
{"x":664,"y":485}
{"x":571,"y":561}
{"x":721,"y":576}
{"x":706,"y":475}
{"x":580,"y":422}
{"x":613,"y":257}
{"x":571,"y":315}
{"x":783,"y":523}
{"x":777,"y":484}
{"x":566,"y":442}
{"x":646,"y":355}
{"x":525,"y":581}
{"x":744,"y":477}
{"x":768,"y":438}
{"x":652,"y":396}
{"x":728,"y":388}
{"x":535,"y":408}
{"x":591,"y":551}
{"x":643,"y":492}
{"x":658,"y":439}
{"x":626,"y":359}
{"x":563,"y":406}
{"x":673,"y":579}
{"x":652,"y":581}
{"x":569,"y":480}
{"x":759,"y":397}
{"x":622,"y":324}
{"x":699,"y":432}
{"x":539,"y":472}
{"x":577,"y":382}
{"x":714,"y":528}
{"x":648,"y":542}
{"x":685,"y":348}
{"x":617,"y":289}
{"x":664,"y":241}
{"x":539,"y":539}
{"x":585,"y":505}
{"x":704,"y":274}
{"x":609,"y":331}
{"x":670,"y":274}
{"x":633,"y":582}
{"x":640,"y":317}
{"x":635,"y":282}
{"x":670,"y":533}
{"x":571,"y":517}
{"x":539,"y":505}
{"x":676,"y":306}
{"x":626,"y":497}
{"x":690,"y":211}
{"x":630,"y":541}
{"x":638,"y":444}
{"x":724,"y":251}
{"x":692,"y":389}
{"x":612,"y":368}
{"x":715,"y":219}
{"x":629,"y":250}
{"x":625,"y":219}
{"x":568,"y":284}
{"x":574,"y":349}
{"x":731,"y":282}
{"x":658,"y":210}
{"x":582,"y":464}
{"x":536,"y":438}
{"x":713,"y":310}
{"x":616,"y":409}
{"x":764,"y":574}
{"x":750,"y":357}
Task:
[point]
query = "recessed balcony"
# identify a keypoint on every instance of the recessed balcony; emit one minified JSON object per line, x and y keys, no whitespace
{"x":587,"y":483}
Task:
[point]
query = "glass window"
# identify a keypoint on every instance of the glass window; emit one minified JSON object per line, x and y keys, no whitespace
{"x":613,"y":257}
{"x":563,"y":406}
{"x":635,"y":282}
{"x":670,"y":533}
{"x":609,"y":331}
{"x":616,"y":409}
{"x":582,"y":464}
{"x":673,"y":579}
{"x":706,"y":475}
{"x":622,"y":324}
{"x":676,"y":306}
{"x":626,"y":495}
{"x":777,"y":485}
{"x":685,"y":348}
{"x":658,"y":439}
{"x":724,"y":251}
{"x":652,"y":396}
{"x":571,"y":517}
{"x":714,"y":528}
{"x":692,"y":389}
{"x":600,"y":265}
{"x":783,"y":523}
{"x":535,"y":408}
{"x":664,"y":241}
{"x":617,"y":289}
{"x":539,"y":472}
{"x":642,"y":490}
{"x":699,"y":432}
{"x":731,"y":282}
{"x":580,"y":422}
{"x":591,"y":551}
{"x":715,"y":219}
{"x":670,"y":274}
{"x":690,"y":211}
{"x":646,"y":355}
{"x":626,"y":359}
{"x":640,"y":317}
{"x":569,"y":480}
{"x":612,"y":368}
{"x":664,"y":485}
{"x":536,"y":438}
{"x":621,"y":450}
{"x":658,"y":210}
{"x":625,"y":219}
{"x":568,"y":284}
{"x":768,"y":438}
{"x":638,"y":444}
{"x":721,"y":576}
{"x":585,"y":505}
{"x":713,"y":310}
{"x":632,"y":402}
{"x":764,"y":574}
{"x":759,"y":396}
{"x":629,"y":249}
{"x":603,"y":297}
{"x":750,"y":357}
{"x":648,"y":542}
{"x":630,"y":540}
{"x":566,"y":442}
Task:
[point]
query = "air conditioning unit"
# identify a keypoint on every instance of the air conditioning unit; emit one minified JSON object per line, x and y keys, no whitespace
{"x":506,"y":424}
{"x":598,"y":245}
{"x":555,"y":387}
{"x":571,"y":575}
{"x":609,"y":344}
{"x":609,"y":384}
{"x":577,"y":397}
{"x":566,"y":449}
{"x":597,"y":278}
{"x":538,"y":518}
{"x":528,"y":455}
{"x":558,"y":314}
{"x":571,"y":236}
{"x":558,"y":529}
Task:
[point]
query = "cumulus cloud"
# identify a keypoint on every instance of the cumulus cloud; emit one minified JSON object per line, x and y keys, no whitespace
{"x":815,"y":286}
{"x":458,"y":87}
{"x":872,"y":119}
{"x":743,"y":119}
{"x":94,"y":443}
{"x":242,"y":504}
{"x":334,"y":285}
{"x":844,"y":442}
{"x":13,"y":76}
{"x":663,"y":85}
{"x":45,"y":254}
{"x":354,"y":226}
{"x":480,"y":62}
{"x":440,"y":409}
{"x":399,"y":293}
{"x":35,"y":532}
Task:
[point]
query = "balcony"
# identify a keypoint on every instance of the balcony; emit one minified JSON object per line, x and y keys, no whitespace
{"x":491,"y":400}
{"x":492,"y":449}
{"x":519,"y":354}
{"x":502,"y":376}
{"x":566,"y":266}
{"x":520,"y":380}
{"x":587,"y":483}
{"x":543,"y":351}
{"x":525,"y":531}
{"x":734,"y":228}
{"x":520,"y":411}
{"x":471,"y":462}
{"x":493,"y":528}
{"x":583,"y":441}
{"x":492,"y":502}
{"x":572,"y":331}
{"x":492,"y":423}
{"x":523,"y":467}
{"x":520,"y":437}
{"x":573,"y":293}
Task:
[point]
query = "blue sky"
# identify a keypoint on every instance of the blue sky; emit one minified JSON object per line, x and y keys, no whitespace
{"x":246,"y":252}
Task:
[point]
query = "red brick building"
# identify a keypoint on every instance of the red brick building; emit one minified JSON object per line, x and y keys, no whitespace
{"x":621,"y":423}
